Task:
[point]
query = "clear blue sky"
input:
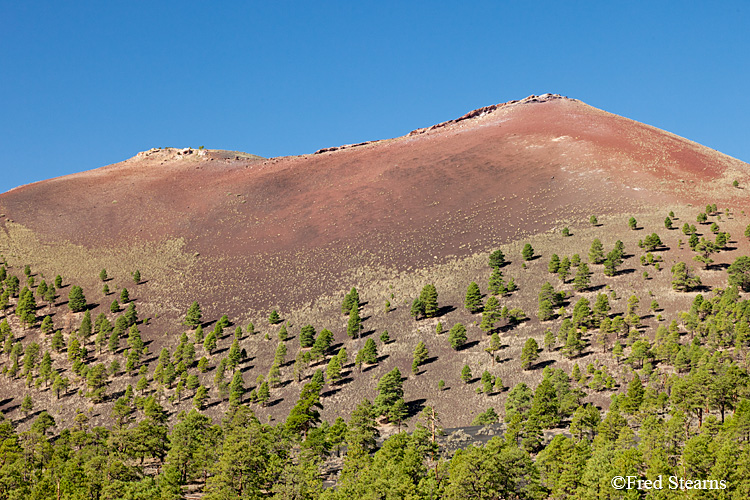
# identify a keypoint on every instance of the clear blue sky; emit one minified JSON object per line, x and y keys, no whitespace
{"x":85,"y":84}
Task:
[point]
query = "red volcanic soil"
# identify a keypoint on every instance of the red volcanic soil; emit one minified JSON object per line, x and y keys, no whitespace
{"x":492,"y":176}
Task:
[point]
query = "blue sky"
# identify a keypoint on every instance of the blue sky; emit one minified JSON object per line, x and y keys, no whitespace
{"x":85,"y":84}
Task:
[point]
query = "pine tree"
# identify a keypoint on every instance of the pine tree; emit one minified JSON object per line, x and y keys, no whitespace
{"x":668,"y":223}
{"x":390,"y":390}
{"x":350,"y":299}
{"x":27,"y":405}
{"x":428,"y":297}
{"x":529,"y":354}
{"x":194,"y":317}
{"x":136,"y":276}
{"x":490,"y":314}
{"x":76,"y":299}
{"x":596,"y":253}
{"x":209,"y":344}
{"x":497,"y":259}
{"x":466,"y":375}
{"x":234,"y":355}
{"x":496,"y":283}
{"x":593,"y":220}
{"x":420,"y":356}
{"x":554,"y":263}
{"x":369,"y":352}
{"x":457,"y":336}
{"x":473,"y":301}
{"x":333,"y":370}
{"x":236,"y":389}
{"x":582,"y":279}
{"x":528,"y":252}
{"x":354,"y":326}
{"x":632,"y":224}
{"x":103,"y":275}
{"x":417,"y":308}
{"x":563,"y":271}
{"x":274,"y":317}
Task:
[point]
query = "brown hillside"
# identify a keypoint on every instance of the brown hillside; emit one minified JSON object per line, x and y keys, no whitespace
{"x":242,"y":234}
{"x":494,"y":175}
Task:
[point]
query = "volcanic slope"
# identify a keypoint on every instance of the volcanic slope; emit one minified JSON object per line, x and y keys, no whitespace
{"x":264,"y":233}
{"x":242,"y":235}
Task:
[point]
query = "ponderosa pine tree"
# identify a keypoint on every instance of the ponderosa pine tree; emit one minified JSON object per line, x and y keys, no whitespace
{"x":582,"y":278}
{"x":307,"y":335}
{"x":529,"y":354}
{"x":668,"y":223}
{"x":528,"y":252}
{"x":473,"y":301}
{"x":428,"y":297}
{"x":420,"y":356}
{"x":457,"y":336}
{"x":497,"y":259}
{"x":333,"y":370}
{"x":354,"y":326}
{"x":554,"y":263}
{"x":466,"y":375}
{"x":682,"y":278}
{"x":390,"y":390}
{"x":596,"y":253}
{"x":369,"y":352}
{"x":632,"y":223}
{"x":194,"y":316}
{"x":350,"y":299}
{"x":496,"y":284}
{"x":76,"y":299}
{"x":274,"y":317}
{"x":739,"y":273}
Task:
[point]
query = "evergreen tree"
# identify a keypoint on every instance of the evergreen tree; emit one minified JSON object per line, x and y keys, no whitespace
{"x":236,"y":389}
{"x":497,"y":259}
{"x":193,"y":317}
{"x":136,"y":276}
{"x":496,"y":283}
{"x":420,"y":356}
{"x":307,"y":335}
{"x":682,"y":278}
{"x":124,"y":296}
{"x":739,"y":273}
{"x":490,"y":314}
{"x":593,"y":220}
{"x":668,"y":223}
{"x":528,"y":252}
{"x":417,"y":308}
{"x":457,"y":336}
{"x":350,"y":299}
{"x":428,"y":298}
{"x":563,"y":271}
{"x":354,"y":326}
{"x":632,"y":224}
{"x":103,"y":275}
{"x":473,"y":301}
{"x":76,"y":299}
{"x":466,"y":374}
{"x":333,"y":370}
{"x":274,"y":317}
{"x":529,"y":354}
{"x":369,"y":352}
{"x":322,"y":344}
{"x":390,"y":390}
{"x":554,"y":263}
{"x":596,"y":253}
{"x":582,"y":279}
{"x":209,"y":344}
